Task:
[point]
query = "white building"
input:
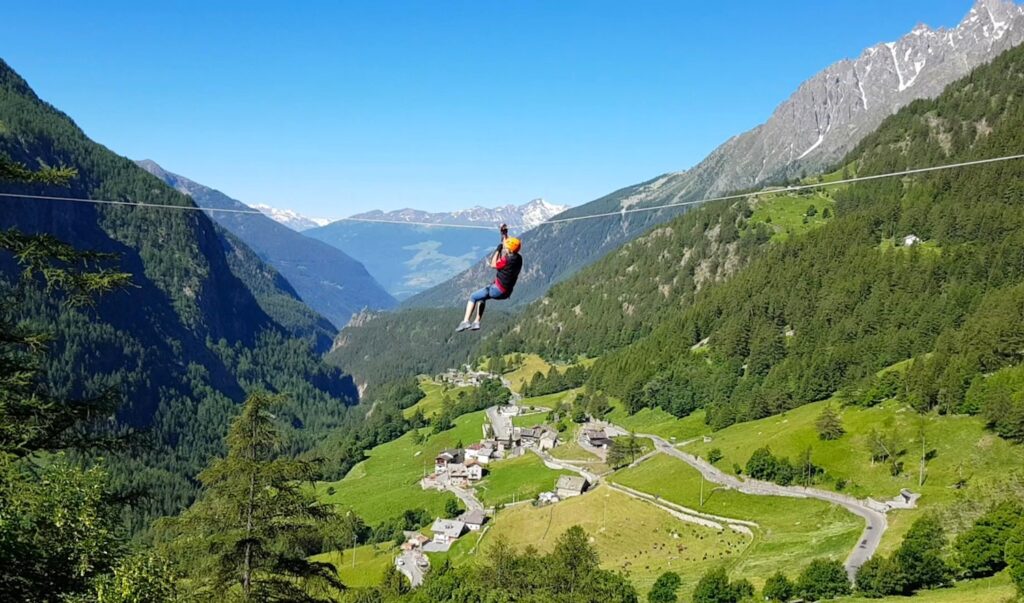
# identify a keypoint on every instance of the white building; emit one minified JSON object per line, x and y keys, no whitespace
{"x":447,"y":531}
{"x":910,"y":240}
{"x":474,"y":519}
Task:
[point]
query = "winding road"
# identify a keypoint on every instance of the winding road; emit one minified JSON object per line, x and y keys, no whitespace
{"x":875,"y":521}
{"x":409,"y":564}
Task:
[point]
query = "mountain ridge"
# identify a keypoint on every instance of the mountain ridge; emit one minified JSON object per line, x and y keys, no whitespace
{"x":324,"y":277}
{"x":825,"y":107}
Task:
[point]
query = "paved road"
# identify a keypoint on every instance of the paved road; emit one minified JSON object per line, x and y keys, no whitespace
{"x":875,"y":521}
{"x":467,"y":496}
{"x":408,"y":563}
{"x":500,"y":424}
{"x":552,"y":463}
{"x":516,"y":396}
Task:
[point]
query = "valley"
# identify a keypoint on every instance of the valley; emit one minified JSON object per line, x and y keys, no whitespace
{"x":808,"y":389}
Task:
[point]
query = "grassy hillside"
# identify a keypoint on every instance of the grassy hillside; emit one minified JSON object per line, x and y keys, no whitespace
{"x":792,"y":531}
{"x":660,"y":423}
{"x":433,"y":398}
{"x":997,"y":589}
{"x":532,"y":363}
{"x":361,"y":566}
{"x":963,"y":449}
{"x":387,"y":483}
{"x":517,"y":479}
{"x":630,"y":535}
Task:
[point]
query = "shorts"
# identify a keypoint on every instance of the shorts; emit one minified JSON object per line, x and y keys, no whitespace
{"x":488,"y":292}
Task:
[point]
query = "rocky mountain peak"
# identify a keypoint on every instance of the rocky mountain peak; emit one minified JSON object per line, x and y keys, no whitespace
{"x":833,"y":110}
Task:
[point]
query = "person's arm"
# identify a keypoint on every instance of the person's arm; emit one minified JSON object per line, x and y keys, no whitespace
{"x":496,"y":259}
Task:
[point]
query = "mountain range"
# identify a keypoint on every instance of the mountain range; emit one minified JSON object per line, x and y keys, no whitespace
{"x":824,"y":119}
{"x":204,"y":323}
{"x":291,"y":218}
{"x":324,"y":277}
{"x":409,"y":258}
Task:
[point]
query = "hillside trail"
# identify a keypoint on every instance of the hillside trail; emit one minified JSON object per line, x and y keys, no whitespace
{"x":875,"y":521}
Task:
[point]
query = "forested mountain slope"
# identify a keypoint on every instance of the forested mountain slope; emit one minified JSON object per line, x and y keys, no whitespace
{"x":324,"y":277}
{"x":826,"y":310}
{"x":189,"y":339}
{"x":822,"y":120}
{"x":377,"y":348}
{"x":623,"y":296}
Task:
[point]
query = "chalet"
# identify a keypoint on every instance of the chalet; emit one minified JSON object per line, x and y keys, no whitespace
{"x":470,"y":471}
{"x":481,"y":453}
{"x":446,"y":458}
{"x":570,"y":485}
{"x":530,"y":436}
{"x":474,"y":519}
{"x":447,"y":531}
{"x":597,"y":438}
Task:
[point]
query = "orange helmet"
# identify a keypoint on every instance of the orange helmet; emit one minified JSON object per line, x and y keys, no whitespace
{"x":513,"y":244}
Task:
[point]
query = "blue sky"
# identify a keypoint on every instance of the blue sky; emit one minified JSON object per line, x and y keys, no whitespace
{"x":338,"y":107}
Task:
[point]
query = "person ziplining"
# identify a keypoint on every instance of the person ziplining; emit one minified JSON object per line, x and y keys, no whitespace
{"x":507,"y":261}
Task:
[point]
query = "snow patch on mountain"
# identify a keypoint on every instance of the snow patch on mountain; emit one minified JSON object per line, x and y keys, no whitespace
{"x":291,"y":218}
{"x":519,"y":218}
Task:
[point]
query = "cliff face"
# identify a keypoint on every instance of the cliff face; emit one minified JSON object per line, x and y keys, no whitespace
{"x":831,"y":112}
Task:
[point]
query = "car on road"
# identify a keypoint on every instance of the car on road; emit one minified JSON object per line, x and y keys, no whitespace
{"x":400,"y":561}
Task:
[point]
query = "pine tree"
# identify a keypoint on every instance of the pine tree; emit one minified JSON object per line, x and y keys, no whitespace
{"x":573,"y":561}
{"x":829,"y":424}
{"x":58,"y":522}
{"x":254,"y":498}
{"x":665,"y":588}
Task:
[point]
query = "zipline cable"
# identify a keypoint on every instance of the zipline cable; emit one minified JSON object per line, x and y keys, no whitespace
{"x":619,"y":213}
{"x":787,"y":189}
{"x":222,"y":210}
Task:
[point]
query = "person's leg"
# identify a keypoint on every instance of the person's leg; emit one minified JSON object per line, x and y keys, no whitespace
{"x":475,"y":301}
{"x":492,"y":293}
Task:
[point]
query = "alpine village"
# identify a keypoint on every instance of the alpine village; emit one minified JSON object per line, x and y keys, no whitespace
{"x":792,"y":372}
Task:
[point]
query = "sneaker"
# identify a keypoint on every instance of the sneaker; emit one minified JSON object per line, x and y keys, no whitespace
{"x":475,"y":326}
{"x":462,"y":326}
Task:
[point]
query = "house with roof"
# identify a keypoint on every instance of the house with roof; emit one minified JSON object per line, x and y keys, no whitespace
{"x":539,"y":436}
{"x":482,"y":453}
{"x":452,"y":456}
{"x":469,"y":471}
{"x":910,"y":240}
{"x":531,"y":435}
{"x":473,"y":519}
{"x":597,"y":438}
{"x":447,"y":531}
{"x":570,"y":485}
